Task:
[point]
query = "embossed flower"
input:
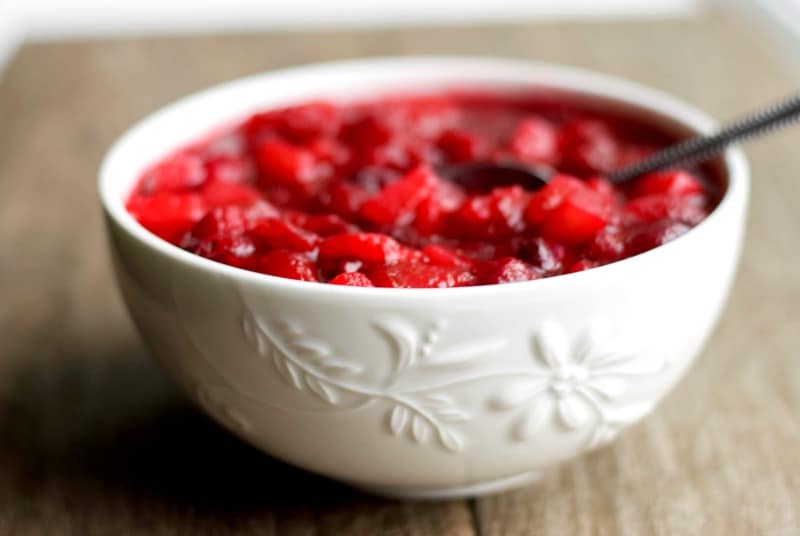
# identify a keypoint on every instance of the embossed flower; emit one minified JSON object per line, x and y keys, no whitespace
{"x":575,"y":382}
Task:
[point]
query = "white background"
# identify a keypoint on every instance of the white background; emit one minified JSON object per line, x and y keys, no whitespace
{"x":57,"y":19}
{"x":60,"y":19}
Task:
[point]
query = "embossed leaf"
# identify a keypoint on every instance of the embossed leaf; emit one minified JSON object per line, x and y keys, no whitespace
{"x":287,"y":370}
{"x":247,"y":327}
{"x":551,"y":345}
{"x":532,"y":420}
{"x":626,"y":363}
{"x":460,"y":355}
{"x":403,"y":339}
{"x":451,"y":440}
{"x":288,"y":327}
{"x":574,"y":412}
{"x":398,"y":418}
{"x":310,"y":347}
{"x":322,"y":389}
{"x":453,"y":414}
{"x":517,"y":393}
{"x":294,"y":374}
{"x":338,"y":367}
{"x":237,"y":420}
{"x":595,"y":337}
{"x":420,"y":429}
{"x":438,"y":400}
{"x":607,"y":387}
{"x":253,"y":335}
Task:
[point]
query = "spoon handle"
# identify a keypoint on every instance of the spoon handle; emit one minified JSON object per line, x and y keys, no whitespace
{"x":701,"y":147}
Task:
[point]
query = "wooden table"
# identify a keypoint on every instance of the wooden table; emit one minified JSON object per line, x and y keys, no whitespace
{"x":94,"y":439}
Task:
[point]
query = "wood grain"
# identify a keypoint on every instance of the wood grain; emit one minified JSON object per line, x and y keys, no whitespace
{"x":94,"y":439}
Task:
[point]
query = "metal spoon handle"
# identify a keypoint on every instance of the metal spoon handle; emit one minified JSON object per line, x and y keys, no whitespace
{"x":701,"y":147}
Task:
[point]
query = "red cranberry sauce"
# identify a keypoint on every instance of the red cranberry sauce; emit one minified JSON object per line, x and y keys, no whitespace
{"x":349,"y":194}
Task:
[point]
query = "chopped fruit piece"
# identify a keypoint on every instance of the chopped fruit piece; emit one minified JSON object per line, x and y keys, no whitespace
{"x":218,"y":193}
{"x":668,"y":183}
{"x":370,"y":248}
{"x":447,"y":258}
{"x":419,"y":276}
{"x":352,"y":279}
{"x":219,"y":222}
{"x":284,"y":164}
{"x":273,"y":233}
{"x":581,"y":265}
{"x":588,"y":147}
{"x":547,"y":256}
{"x":344,"y":198}
{"x":321,"y":224}
{"x":168,"y":215}
{"x":689,"y":209}
{"x":535,"y":141}
{"x":236,"y":251}
{"x":608,"y":245}
{"x":577,"y":219}
{"x":357,"y":193}
{"x":550,"y":197}
{"x":395,"y":204}
{"x":653,"y":235}
{"x":461,"y":145}
{"x":507,"y":270}
{"x":288,"y":264}
{"x":228,"y":168}
{"x":494,"y":215}
{"x":178,"y":173}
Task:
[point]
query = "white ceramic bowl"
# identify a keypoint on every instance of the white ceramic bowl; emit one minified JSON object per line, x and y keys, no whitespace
{"x":421,"y":392}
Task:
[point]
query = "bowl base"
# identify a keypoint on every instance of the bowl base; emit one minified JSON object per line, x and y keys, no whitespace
{"x":456,"y":492}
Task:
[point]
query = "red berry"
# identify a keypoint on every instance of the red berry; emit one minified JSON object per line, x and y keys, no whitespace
{"x":588,"y":147}
{"x":308,"y":122}
{"x":577,"y":219}
{"x":689,"y":209}
{"x":506,"y":270}
{"x":344,"y":198}
{"x":220,"y":222}
{"x":352,"y":279}
{"x":495,"y":215}
{"x":168,"y":215}
{"x":668,"y":183}
{"x":608,"y":245}
{"x":274,"y":233}
{"x":508,"y":206}
{"x":234,"y":250}
{"x":535,"y":141}
{"x":180,"y":172}
{"x":284,"y":164}
{"x":461,"y":145}
{"x":370,"y":248}
{"x":218,"y":193}
{"x":549,"y":197}
{"x":288,"y":264}
{"x":395,"y":204}
{"x":581,"y":265}
{"x":229,"y":168}
{"x":446,"y":257}
{"x":321,"y":224}
{"x":547,"y":256}
{"x":651,"y":235}
{"x":419,"y":276}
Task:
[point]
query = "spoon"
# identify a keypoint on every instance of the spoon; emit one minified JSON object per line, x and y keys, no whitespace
{"x":483,"y":176}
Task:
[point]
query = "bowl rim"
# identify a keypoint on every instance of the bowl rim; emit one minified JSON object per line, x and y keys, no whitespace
{"x":574,"y":79}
